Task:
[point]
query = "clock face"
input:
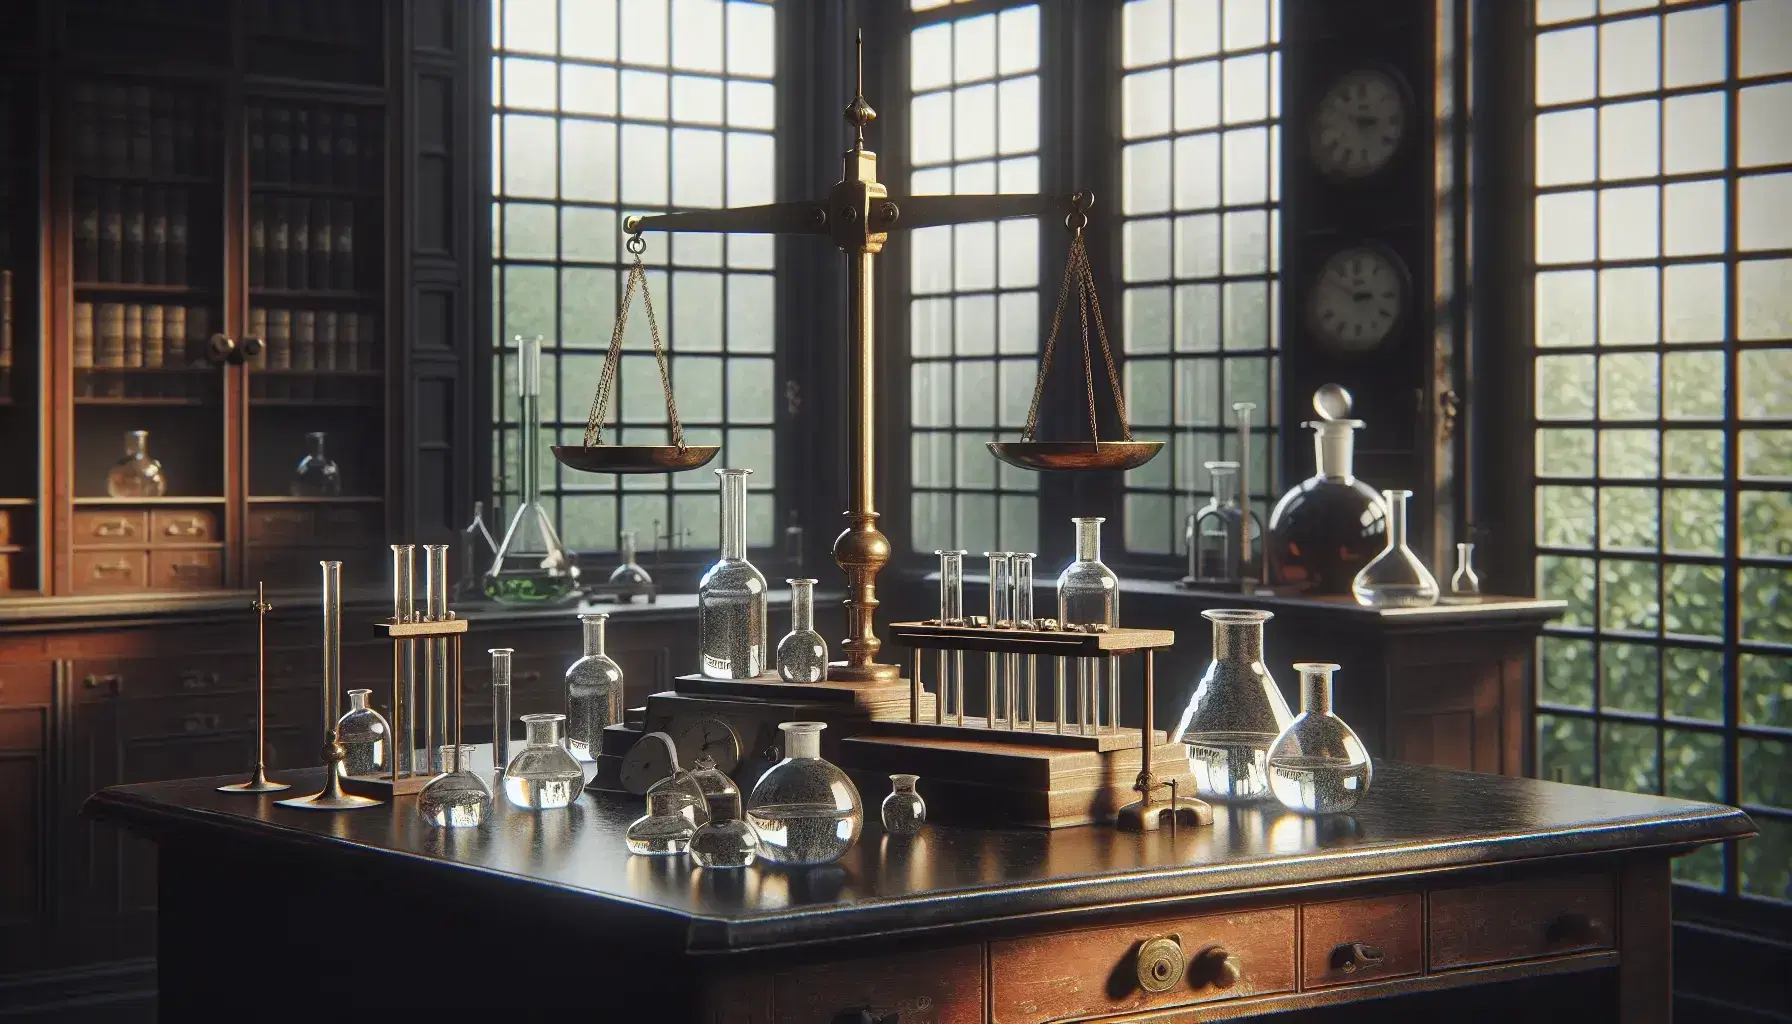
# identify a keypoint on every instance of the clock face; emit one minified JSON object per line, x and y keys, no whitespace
{"x":1357,"y":300}
{"x":647,"y":762}
{"x":712,"y":738}
{"x":1358,"y":124}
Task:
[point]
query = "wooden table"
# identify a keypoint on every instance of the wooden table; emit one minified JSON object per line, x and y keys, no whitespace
{"x":1462,"y":893}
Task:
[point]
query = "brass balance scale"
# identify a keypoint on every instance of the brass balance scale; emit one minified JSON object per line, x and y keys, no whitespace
{"x":879,"y":722}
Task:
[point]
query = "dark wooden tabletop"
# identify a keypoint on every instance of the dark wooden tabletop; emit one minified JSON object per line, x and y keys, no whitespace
{"x":1413,"y":819}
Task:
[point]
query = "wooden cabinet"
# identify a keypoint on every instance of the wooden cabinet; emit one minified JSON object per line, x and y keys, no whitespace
{"x":1521,"y":920}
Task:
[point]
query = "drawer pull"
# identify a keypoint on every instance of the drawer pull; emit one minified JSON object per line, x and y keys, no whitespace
{"x":113,"y":528}
{"x":1161,"y":963}
{"x":193,"y":679}
{"x":183,"y":528}
{"x":188,"y":568}
{"x":1217,"y":967}
{"x":1354,"y":956}
{"x":111,"y":682}
{"x":101,"y":569}
{"x":1572,"y":929}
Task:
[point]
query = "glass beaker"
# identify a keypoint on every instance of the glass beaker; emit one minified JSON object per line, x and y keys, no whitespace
{"x":904,"y":811}
{"x":594,"y":692}
{"x":365,"y":737}
{"x":531,"y":566}
{"x":136,"y":475}
{"x":804,"y":808}
{"x":1317,"y":765}
{"x":316,"y":475}
{"x":457,"y":798}
{"x":1396,"y":578}
{"x":731,"y":624}
{"x":629,"y":573}
{"x":542,"y":775}
{"x":802,"y":654}
{"x":1236,"y":712}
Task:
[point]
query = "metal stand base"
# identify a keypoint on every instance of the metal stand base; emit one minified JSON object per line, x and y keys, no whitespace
{"x":1152,"y":815}
{"x":331,"y":797}
{"x":257,"y":783}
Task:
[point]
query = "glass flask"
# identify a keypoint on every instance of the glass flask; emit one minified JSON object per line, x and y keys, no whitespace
{"x":686,"y":791}
{"x":1219,"y":552}
{"x":593,"y":692}
{"x":1466,"y":582}
{"x":725,"y":841}
{"x":457,"y":798}
{"x":316,"y":475}
{"x":365,"y":738}
{"x":1395,"y":578}
{"x":1328,"y":526}
{"x":1317,"y":765}
{"x":1236,"y":711}
{"x":802,"y":654}
{"x":531,"y":565}
{"x":805,"y":809}
{"x":629,"y":573}
{"x":731,"y":595}
{"x":476,"y":545}
{"x":904,"y":811}
{"x":666,"y":829}
{"x":714,"y":784}
{"x":543,"y":775}
{"x":1088,"y":591}
{"x":136,"y":475}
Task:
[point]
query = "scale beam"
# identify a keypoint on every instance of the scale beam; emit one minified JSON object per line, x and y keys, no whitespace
{"x":931,"y":211}
{"x":774,"y":219}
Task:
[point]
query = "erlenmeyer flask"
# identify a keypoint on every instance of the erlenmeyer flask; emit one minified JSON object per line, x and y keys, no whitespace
{"x":531,"y":565}
{"x":1396,"y":578}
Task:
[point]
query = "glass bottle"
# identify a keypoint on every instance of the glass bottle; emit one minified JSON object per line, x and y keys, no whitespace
{"x":1088,"y":591}
{"x":802,"y":654}
{"x":501,"y":703}
{"x":731,"y":622}
{"x":629,"y":573}
{"x":1236,"y":711}
{"x":136,"y":475}
{"x":593,"y":692}
{"x":665,"y":830}
{"x":1328,"y":526}
{"x":685,"y":791}
{"x":805,"y":809}
{"x":543,"y":775}
{"x":365,"y":738}
{"x":904,"y":811}
{"x":725,"y":841}
{"x":316,"y":475}
{"x":457,"y":798}
{"x":531,"y":565}
{"x":1317,"y":765}
{"x":1466,"y":582}
{"x":714,"y":784}
{"x":1218,"y":549}
{"x":1396,"y":578}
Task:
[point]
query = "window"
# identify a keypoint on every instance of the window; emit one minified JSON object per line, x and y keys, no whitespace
{"x":974,"y":306}
{"x":1200,"y":190}
{"x":602,"y":110}
{"x":1663,"y":411}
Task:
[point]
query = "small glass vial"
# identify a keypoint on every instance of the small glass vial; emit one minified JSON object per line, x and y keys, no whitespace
{"x":629,"y":573}
{"x":725,"y":841}
{"x":731,"y":620}
{"x":1088,"y":591}
{"x":593,"y":692}
{"x":802,"y":654}
{"x":136,"y":475}
{"x":666,"y":829}
{"x":1318,"y":765}
{"x":501,"y":704}
{"x":904,"y":811}
{"x":1466,"y":582}
{"x":1395,"y":578}
{"x":715,"y":784}
{"x":457,"y":798}
{"x":365,"y":737}
{"x":542,"y":775}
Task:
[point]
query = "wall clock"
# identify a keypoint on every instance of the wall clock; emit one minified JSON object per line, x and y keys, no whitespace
{"x":1357,"y":299}
{"x":1358,"y":124}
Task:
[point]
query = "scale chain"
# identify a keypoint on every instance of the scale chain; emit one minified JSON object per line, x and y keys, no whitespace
{"x":600,"y":404}
{"x":1079,"y":275}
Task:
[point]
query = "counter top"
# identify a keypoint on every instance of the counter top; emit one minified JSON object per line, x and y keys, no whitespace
{"x":947,"y":879}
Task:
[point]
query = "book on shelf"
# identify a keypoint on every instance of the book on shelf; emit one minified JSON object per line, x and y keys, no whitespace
{"x":258,"y":328}
{"x":348,"y":346}
{"x":278,"y":231}
{"x":133,"y":236}
{"x":322,"y":247}
{"x":174,"y":336}
{"x":111,"y":234}
{"x":367,"y":326}
{"x":162,"y":147}
{"x":342,"y":234}
{"x":279,"y":339}
{"x":83,"y":334}
{"x":323,"y":147}
{"x":348,"y":149}
{"x":304,"y":340}
{"x":177,"y":237}
{"x":155,"y":256}
{"x":87,"y":234}
{"x":298,"y":245}
{"x":154,"y":336}
{"x":279,"y":144}
{"x":142,"y":161}
{"x":258,"y":242}
{"x":328,"y":330}
{"x":133,"y":335}
{"x":199,"y":334}
{"x":256,"y":130}
{"x":301,"y":144}
{"x":109,"y":322}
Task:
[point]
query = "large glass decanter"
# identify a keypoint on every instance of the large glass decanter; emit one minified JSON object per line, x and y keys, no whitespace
{"x":805,"y":809}
{"x":136,"y":475}
{"x":543,"y":775}
{"x":1236,"y":711}
{"x":1317,"y":765}
{"x":731,"y":595}
{"x":1328,"y":526}
{"x":316,"y":475}
{"x":629,"y":572}
{"x":593,"y":692}
{"x":1219,"y":545}
{"x":365,"y":737}
{"x":531,"y":565}
{"x":1396,"y":578}
{"x":1088,"y":591}
{"x":802,"y":654}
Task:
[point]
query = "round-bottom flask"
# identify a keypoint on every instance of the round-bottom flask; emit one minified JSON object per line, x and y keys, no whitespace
{"x":365,"y":738}
{"x":457,"y":798}
{"x":666,"y":829}
{"x":804,"y":808}
{"x":904,"y":811}
{"x":725,"y":841}
{"x":543,"y":775}
{"x":1317,"y":765}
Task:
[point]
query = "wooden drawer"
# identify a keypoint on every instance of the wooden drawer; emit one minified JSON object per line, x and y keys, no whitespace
{"x":1092,"y":973}
{"x":26,"y":682}
{"x":210,"y":713}
{"x":942,"y":986}
{"x":100,"y":572}
{"x":339,"y":524}
{"x":280,"y":524}
{"x":163,"y":677}
{"x":186,"y":570}
{"x":1520,"y":920}
{"x":1357,"y":940}
{"x":101,"y":527}
{"x":182,"y":526}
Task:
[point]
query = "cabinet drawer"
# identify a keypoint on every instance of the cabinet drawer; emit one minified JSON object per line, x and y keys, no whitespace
{"x":1357,"y":940}
{"x":186,"y":570}
{"x":280,"y":524}
{"x":98,"y":572}
{"x":105,"y":526}
{"x":182,"y":526}
{"x":348,"y":523}
{"x":210,"y":713}
{"x":942,"y":986}
{"x":1520,"y":920}
{"x":26,"y":682}
{"x":104,"y":678}
{"x":1096,"y":972}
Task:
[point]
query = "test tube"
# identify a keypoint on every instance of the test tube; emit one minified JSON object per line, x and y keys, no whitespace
{"x":1058,"y":702}
{"x":332,"y":649}
{"x":1244,"y":409}
{"x":1113,"y":691}
{"x":1023,"y":619}
{"x":435,"y":590}
{"x":951,"y":614}
{"x":404,"y":660}
{"x":999,"y":618}
{"x":501,"y":706}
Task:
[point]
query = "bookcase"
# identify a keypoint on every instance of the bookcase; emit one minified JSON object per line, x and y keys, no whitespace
{"x":199,"y":200}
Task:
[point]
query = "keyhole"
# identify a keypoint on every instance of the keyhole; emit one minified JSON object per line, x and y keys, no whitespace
{"x":1161,"y":971}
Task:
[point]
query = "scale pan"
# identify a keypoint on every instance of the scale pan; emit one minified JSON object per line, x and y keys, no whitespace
{"x":1075,"y":455}
{"x":634,"y":458}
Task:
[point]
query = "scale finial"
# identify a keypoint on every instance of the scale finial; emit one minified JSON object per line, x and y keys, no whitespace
{"x":858,"y":112}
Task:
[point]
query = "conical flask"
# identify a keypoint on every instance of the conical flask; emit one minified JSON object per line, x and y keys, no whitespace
{"x":531,"y":566}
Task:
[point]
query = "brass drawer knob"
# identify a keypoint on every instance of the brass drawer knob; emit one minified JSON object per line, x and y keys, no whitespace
{"x":1160,"y":963}
{"x":1354,"y":956}
{"x":1218,"y":968}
